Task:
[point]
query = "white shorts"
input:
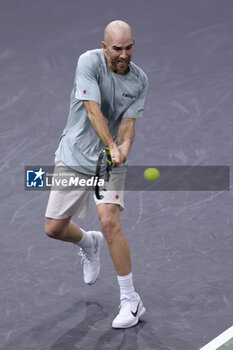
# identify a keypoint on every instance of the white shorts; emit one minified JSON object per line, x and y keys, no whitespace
{"x":64,"y":203}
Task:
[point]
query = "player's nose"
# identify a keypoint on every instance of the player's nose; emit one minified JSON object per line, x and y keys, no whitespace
{"x":123,"y":54}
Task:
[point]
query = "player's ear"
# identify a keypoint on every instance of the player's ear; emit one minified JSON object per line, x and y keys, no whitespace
{"x":104,"y":46}
{"x":133,"y":41}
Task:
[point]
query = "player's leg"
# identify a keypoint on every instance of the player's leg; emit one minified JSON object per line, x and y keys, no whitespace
{"x":63,"y":229}
{"x":89,"y":242}
{"x":117,"y":243}
{"x":62,"y":205}
{"x":131,"y":305}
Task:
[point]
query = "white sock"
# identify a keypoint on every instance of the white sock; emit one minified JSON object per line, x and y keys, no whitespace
{"x":126,"y":286}
{"x":86,"y":240}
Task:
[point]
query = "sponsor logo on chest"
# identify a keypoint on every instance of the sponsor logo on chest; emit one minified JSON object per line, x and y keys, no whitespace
{"x":127,"y":95}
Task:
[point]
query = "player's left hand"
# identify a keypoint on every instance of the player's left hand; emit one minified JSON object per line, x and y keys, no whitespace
{"x":118,"y":154}
{"x":123,"y":154}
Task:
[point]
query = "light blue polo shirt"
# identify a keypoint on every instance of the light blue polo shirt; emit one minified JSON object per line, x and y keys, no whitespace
{"x":118,"y":95}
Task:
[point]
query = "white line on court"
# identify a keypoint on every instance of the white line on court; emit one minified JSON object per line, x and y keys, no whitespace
{"x":220,"y":340}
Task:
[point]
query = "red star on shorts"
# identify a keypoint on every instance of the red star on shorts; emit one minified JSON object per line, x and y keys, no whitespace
{"x":116,"y":196}
{"x":84,"y":92}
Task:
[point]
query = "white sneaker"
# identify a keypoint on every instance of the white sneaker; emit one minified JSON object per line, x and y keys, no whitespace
{"x":130,"y":312}
{"x":90,"y":258}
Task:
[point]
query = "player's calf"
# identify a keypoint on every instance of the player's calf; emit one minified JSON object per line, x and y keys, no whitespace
{"x":55,"y":228}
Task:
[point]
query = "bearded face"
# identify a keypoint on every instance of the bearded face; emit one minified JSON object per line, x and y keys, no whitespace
{"x":118,"y":54}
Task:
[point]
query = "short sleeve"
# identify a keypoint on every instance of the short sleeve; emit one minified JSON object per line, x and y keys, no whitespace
{"x":86,"y":83}
{"x":136,"y":109}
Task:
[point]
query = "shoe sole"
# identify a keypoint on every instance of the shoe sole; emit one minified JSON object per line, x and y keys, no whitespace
{"x":141,"y":312}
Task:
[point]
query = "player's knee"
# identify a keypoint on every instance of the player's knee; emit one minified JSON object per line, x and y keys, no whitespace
{"x":109,"y":227}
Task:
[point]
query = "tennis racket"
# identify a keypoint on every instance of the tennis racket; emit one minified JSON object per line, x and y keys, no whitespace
{"x":104,"y":166}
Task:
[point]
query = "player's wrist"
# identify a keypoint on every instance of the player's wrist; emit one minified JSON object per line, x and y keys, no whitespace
{"x":125,"y":149}
{"x":111,"y":145}
{"x":125,"y":155}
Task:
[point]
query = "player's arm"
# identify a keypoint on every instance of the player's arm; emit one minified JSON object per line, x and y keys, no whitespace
{"x":126,"y":130}
{"x":125,"y":136}
{"x":87,"y":91}
{"x":101,"y":128}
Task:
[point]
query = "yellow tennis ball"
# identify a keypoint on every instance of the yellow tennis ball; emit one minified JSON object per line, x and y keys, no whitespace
{"x":151,"y":174}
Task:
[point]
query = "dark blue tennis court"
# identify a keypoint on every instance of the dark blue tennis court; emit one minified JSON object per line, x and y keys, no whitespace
{"x":181,"y":241}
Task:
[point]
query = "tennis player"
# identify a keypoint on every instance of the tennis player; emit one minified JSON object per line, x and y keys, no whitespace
{"x":108,"y":96}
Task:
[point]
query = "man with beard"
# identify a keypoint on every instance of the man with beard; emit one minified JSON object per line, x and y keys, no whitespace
{"x":107,"y":97}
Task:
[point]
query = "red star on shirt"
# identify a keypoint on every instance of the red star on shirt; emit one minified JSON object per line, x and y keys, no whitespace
{"x":116,"y":196}
{"x":84,"y":92}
